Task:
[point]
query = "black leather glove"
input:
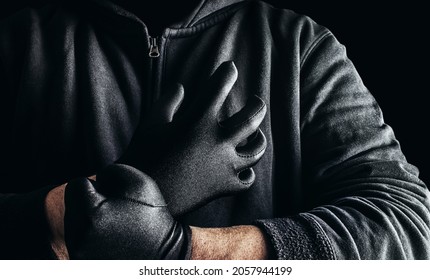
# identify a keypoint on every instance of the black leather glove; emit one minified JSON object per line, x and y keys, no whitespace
{"x":196,"y":158}
{"x":121,"y":216}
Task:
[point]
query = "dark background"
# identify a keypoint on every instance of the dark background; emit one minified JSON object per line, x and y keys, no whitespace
{"x":389,"y":45}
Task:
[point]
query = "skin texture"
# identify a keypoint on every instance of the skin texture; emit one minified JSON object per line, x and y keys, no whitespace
{"x":230,"y":243}
{"x":54,"y":208}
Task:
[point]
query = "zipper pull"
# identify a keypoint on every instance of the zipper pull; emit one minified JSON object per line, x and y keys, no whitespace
{"x":153,"y":47}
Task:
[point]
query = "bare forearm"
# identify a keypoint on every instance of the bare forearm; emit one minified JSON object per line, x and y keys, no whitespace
{"x":230,"y":243}
{"x":55,"y":215}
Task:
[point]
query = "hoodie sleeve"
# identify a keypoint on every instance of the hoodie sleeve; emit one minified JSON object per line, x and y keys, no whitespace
{"x":24,"y":230}
{"x":364,"y":200}
{"x":23,"y":226}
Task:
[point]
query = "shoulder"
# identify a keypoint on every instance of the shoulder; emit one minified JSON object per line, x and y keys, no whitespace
{"x":286,"y":25}
{"x":29,"y":26}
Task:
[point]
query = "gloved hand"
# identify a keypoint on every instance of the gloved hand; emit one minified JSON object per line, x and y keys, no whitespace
{"x":121,"y":216}
{"x":196,"y":158}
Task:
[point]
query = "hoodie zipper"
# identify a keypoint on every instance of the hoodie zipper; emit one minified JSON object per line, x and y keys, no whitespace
{"x":155,"y":50}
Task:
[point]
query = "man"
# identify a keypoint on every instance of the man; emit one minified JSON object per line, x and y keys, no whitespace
{"x":88,"y":85}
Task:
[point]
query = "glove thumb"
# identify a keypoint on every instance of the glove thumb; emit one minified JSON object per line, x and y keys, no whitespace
{"x":80,"y":199}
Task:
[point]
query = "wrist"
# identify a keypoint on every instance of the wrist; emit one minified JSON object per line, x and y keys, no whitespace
{"x":54,"y":208}
{"x":229,"y":243}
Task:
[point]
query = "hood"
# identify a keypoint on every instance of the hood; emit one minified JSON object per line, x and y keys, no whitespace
{"x":202,"y":10}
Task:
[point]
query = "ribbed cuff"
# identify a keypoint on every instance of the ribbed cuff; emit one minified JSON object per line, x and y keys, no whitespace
{"x":297,"y":238}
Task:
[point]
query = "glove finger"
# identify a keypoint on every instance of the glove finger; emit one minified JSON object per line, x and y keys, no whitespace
{"x":245,"y":122}
{"x":250,"y":153}
{"x":246,"y":177}
{"x":220,"y":85}
{"x":127,"y":182}
{"x":166,"y":107}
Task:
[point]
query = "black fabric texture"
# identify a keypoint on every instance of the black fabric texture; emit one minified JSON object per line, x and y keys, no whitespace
{"x":29,"y":239}
{"x":76,"y":82}
{"x":97,"y":227}
{"x":153,"y":9}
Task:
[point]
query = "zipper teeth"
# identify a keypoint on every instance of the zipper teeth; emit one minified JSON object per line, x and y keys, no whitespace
{"x":155,"y":60}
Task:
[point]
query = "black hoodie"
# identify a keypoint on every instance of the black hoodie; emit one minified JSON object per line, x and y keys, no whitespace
{"x":76,"y":79}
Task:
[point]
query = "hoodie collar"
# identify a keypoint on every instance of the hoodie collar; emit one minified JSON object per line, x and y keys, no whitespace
{"x":202,"y":10}
{"x":208,"y":7}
